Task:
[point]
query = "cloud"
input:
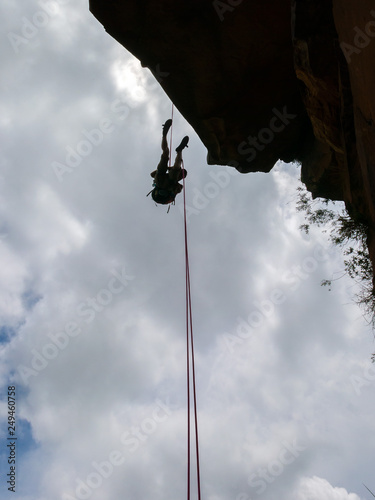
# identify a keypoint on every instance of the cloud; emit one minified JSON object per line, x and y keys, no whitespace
{"x":316,"y":488}
{"x":279,"y":360}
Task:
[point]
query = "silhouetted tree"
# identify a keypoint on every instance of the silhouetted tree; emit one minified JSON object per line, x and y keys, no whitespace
{"x":351,"y":236}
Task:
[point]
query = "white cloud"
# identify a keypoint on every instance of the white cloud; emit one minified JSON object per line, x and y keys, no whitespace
{"x":13,"y":275}
{"x":316,"y":488}
{"x":287,"y":373}
{"x":61,"y":232}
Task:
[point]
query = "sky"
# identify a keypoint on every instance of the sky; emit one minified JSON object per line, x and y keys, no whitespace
{"x":92,"y":296}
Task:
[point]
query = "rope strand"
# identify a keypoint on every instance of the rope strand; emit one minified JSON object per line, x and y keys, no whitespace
{"x":190,"y":358}
{"x":190,"y":347}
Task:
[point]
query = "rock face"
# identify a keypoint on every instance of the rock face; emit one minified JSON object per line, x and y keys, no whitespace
{"x":262,"y":80}
{"x":334,"y":56}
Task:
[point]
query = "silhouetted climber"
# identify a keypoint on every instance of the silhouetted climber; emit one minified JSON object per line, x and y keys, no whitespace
{"x":166,"y":185}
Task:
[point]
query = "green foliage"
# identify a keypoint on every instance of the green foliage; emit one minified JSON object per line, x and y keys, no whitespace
{"x":351,"y":236}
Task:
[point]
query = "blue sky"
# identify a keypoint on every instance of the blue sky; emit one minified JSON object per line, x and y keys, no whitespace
{"x":92,"y":296}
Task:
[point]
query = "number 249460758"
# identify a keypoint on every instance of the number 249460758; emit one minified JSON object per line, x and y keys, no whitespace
{"x":11,"y":410}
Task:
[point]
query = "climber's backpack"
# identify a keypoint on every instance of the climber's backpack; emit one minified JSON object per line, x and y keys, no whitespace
{"x":162,"y":196}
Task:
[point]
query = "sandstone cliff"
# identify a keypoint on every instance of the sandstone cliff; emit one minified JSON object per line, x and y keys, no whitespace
{"x":261,"y":80}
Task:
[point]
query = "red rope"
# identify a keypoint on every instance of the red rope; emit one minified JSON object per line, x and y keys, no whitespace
{"x":190,"y":347}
